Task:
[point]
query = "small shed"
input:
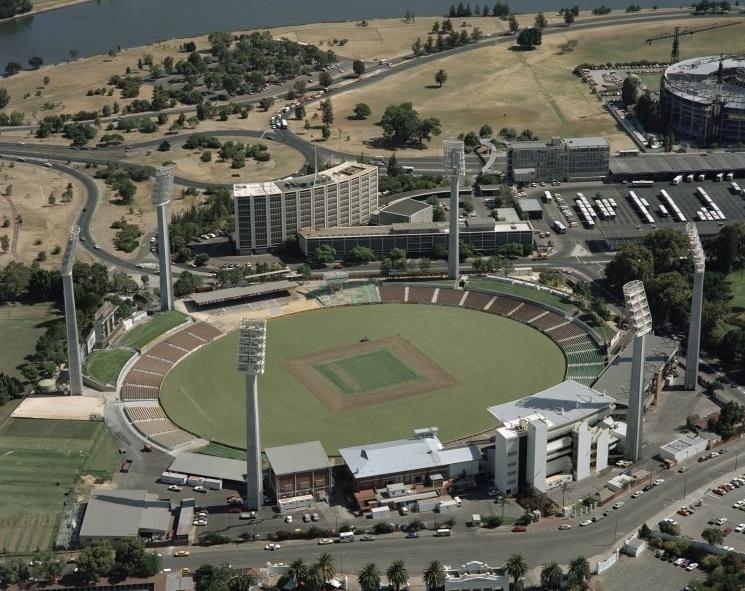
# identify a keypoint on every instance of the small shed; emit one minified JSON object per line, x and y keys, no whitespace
{"x":530,"y":208}
{"x":634,"y":547}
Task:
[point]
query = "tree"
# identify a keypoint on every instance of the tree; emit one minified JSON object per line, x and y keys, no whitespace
{"x":441,"y":77}
{"x":540,"y":21}
{"x":209,"y":577}
{"x":12,"y":68}
{"x":516,"y":567}
{"x":468,"y":205}
{"x":579,"y":571}
{"x":551,"y":576}
{"x":299,"y":112}
{"x":325,"y":79}
{"x":529,"y":38}
{"x":359,"y":67}
{"x":369,"y":577}
{"x":132,"y":560}
{"x":4,"y":98}
{"x":266,"y":103}
{"x":164,"y":146}
{"x":434,"y":576}
{"x":35,"y":62}
{"x":326,"y":132}
{"x":667,"y":247}
{"x":187,"y":283}
{"x":669,"y":297}
{"x":713,"y":535}
{"x":631,"y":262}
{"x":569,"y":17}
{"x":425,"y":265}
{"x":96,"y":560}
{"x":362,"y":111}
{"x":314,"y":579}
{"x":241,"y":583}
{"x":361,"y":255}
{"x":297,"y":571}
{"x":486,"y":131}
{"x":325,"y":564}
{"x":201,"y":259}
{"x":4,"y":242}
{"x":397,"y":574}
{"x":52,"y":199}
{"x":629,"y":90}
{"x":512,"y":24}
{"x":327,"y":112}
{"x":322,"y":255}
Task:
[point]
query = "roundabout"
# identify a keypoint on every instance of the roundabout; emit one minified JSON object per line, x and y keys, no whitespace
{"x":361,"y":374}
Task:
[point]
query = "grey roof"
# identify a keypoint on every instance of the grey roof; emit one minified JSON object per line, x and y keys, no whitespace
{"x":615,"y":380}
{"x":562,"y":404}
{"x":480,"y":223}
{"x":124,"y":513}
{"x":587,"y":142}
{"x":209,"y":466}
{"x":683,"y":443}
{"x":185,"y":517}
{"x":677,"y":163}
{"x":529,"y":204}
{"x":406,"y":207}
{"x":402,"y":455}
{"x":300,"y":457}
{"x":237,"y":293}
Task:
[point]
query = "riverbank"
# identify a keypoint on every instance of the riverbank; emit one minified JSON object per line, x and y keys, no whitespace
{"x":44,"y":6}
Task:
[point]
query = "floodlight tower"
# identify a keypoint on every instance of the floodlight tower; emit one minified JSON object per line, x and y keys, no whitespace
{"x":71,"y":320}
{"x":251,"y":357}
{"x":640,"y":323}
{"x":697,"y":303}
{"x":160,"y":199}
{"x":455,"y":167}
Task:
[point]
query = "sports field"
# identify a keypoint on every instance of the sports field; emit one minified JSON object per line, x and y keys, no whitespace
{"x":469,"y":359}
{"x":40,"y":461}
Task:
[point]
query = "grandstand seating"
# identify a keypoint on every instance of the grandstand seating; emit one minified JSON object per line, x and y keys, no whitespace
{"x":393,"y":294}
{"x":502,"y":306}
{"x":477,"y":301}
{"x":450,"y":297}
{"x":144,"y":413}
{"x":172,"y":439}
{"x":526,"y":313}
{"x":165,"y":352}
{"x":152,"y":365}
{"x":142,"y":378}
{"x":186,"y":341}
{"x":548,"y":321}
{"x":420,"y":295}
{"x":139,"y":393}
{"x":204,"y":331}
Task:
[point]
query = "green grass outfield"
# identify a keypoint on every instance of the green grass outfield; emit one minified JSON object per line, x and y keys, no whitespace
{"x":39,"y":461}
{"x":26,"y":324}
{"x":105,"y":365}
{"x":370,"y":370}
{"x":142,"y":334}
{"x":494,"y":360}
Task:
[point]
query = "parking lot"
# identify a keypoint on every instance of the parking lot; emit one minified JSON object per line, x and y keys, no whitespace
{"x":716,"y":507}
{"x":655,"y":574}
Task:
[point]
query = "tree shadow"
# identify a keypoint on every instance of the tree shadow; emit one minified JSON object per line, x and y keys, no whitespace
{"x":383,"y":143}
{"x":433,"y":86}
{"x":519,"y":48}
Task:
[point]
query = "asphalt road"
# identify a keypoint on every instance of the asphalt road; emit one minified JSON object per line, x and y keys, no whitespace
{"x":538,"y":545}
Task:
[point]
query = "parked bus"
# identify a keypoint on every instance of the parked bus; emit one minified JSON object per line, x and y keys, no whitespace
{"x":642,"y":183}
{"x":547,"y":198}
{"x":346,"y":536}
{"x":677,"y":180}
{"x":662,"y":210}
{"x":628,"y":152}
{"x":730,"y":176}
{"x":719,"y":177}
{"x":689,"y":178}
{"x":559,"y":228}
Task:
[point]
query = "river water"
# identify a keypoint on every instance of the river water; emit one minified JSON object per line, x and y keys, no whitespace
{"x":95,"y":27}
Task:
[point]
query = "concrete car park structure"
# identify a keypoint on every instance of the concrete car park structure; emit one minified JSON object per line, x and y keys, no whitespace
{"x":268,"y":213}
{"x":558,"y":435}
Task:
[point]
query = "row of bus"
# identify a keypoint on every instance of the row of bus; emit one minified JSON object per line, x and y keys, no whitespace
{"x":689,"y":178}
{"x":736,"y":189}
{"x":586,"y":212}
{"x":669,"y":207}
{"x":710,"y":212}
{"x":641,"y":206}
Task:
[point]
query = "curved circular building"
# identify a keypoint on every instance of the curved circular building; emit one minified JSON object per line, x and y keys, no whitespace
{"x":703,"y":100}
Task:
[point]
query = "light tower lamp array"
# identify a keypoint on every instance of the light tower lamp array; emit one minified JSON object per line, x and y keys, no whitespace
{"x":698,"y":258}
{"x":71,"y":321}
{"x":455,"y":167}
{"x":160,"y":198}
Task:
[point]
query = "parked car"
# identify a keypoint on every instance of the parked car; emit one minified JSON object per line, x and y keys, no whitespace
{"x":200,"y":488}
{"x":288,"y":519}
{"x":175,"y":488}
{"x":519,"y":528}
{"x":272,"y":546}
{"x":325,"y":541}
{"x":585,"y":523}
{"x":367,"y":538}
{"x":564,"y":526}
{"x":412,"y":534}
{"x":314,"y":517}
{"x":683,"y":469}
{"x":637,"y":494}
{"x":181,"y":553}
{"x":692,"y":566}
{"x":618,"y":505}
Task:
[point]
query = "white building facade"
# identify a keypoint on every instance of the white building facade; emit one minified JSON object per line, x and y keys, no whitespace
{"x":558,"y":435}
{"x":476,"y":576}
{"x":268,"y":213}
{"x":568,"y":159}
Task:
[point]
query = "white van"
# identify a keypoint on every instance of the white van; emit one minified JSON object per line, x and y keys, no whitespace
{"x":458,"y":501}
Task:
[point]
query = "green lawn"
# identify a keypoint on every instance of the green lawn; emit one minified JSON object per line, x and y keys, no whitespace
{"x":26,"y":324}
{"x":493,"y":359}
{"x":737,"y":282}
{"x":377,"y":369}
{"x":40,"y":460}
{"x":142,"y":334}
{"x":105,"y":365}
{"x":526,"y":292}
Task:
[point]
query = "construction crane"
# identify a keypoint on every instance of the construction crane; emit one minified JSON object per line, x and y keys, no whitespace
{"x":675,"y":36}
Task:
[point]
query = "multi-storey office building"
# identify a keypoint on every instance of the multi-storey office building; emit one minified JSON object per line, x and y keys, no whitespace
{"x":569,"y":159}
{"x":268,"y":213}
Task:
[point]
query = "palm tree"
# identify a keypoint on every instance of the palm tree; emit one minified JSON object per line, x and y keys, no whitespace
{"x":397,"y":574}
{"x":516,"y":567}
{"x":579,"y":571}
{"x":326,"y":565}
{"x":551,"y":575}
{"x":297,"y":571}
{"x":434,"y":576}
{"x":241,"y":583}
{"x":369,"y":577}
{"x":314,"y":579}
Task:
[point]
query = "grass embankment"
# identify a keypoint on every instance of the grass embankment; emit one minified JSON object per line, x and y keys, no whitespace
{"x":142,"y":334}
{"x":526,"y":292}
{"x":21,"y":326}
{"x":104,"y":366}
{"x":40,"y":462}
{"x":205,"y":394}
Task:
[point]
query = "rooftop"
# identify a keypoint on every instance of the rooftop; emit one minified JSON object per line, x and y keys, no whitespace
{"x":336,"y":174}
{"x":677,"y":163}
{"x":570,"y":142}
{"x":560,"y":405}
{"x":237,"y":293}
{"x":479,"y":224}
{"x":125,"y":513}
{"x":529,"y":204}
{"x":209,"y":467}
{"x":402,"y":455}
{"x":406,"y":206}
{"x":300,"y":457}
{"x":616,"y":378}
{"x":683,"y":443}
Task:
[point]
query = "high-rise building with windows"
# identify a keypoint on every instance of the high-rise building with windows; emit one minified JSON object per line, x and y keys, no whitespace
{"x":268,"y":213}
{"x":567,"y":159}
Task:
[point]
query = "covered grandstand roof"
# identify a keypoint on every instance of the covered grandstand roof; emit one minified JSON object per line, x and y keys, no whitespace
{"x":238,"y":293}
{"x":300,"y":457}
{"x":676,"y":163}
{"x":209,"y":467}
{"x":616,"y":378}
{"x":562,"y":404}
{"x":403,"y":455}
